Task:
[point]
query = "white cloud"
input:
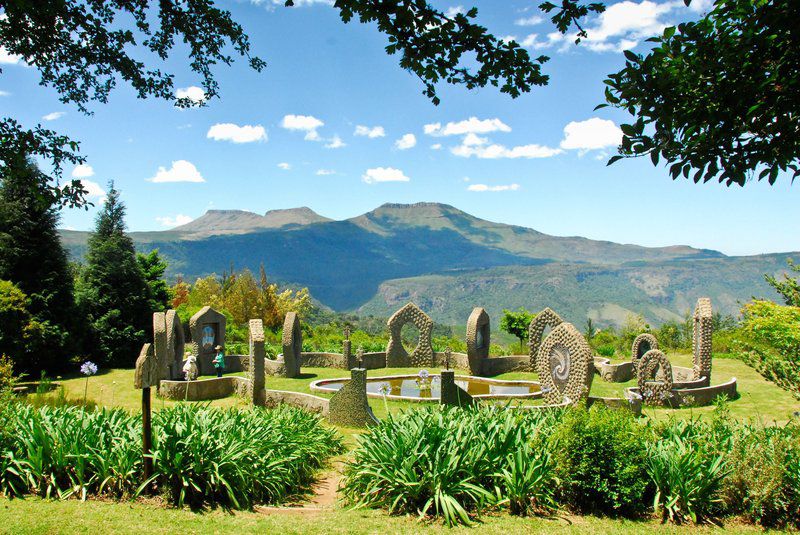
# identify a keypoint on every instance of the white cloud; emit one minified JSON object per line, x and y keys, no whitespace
{"x":5,"y":94}
{"x":82,"y":171}
{"x":436,"y":146}
{"x":237,"y":134}
{"x":9,"y":59}
{"x":455,"y":10}
{"x":533,"y":41}
{"x":375,"y":131}
{"x":325,"y":172}
{"x":484,"y":187}
{"x":494,"y":151}
{"x":335,"y":143}
{"x":406,"y":142}
{"x":384,"y":174}
{"x":304,"y":123}
{"x":529,"y":21}
{"x":472,"y":125}
{"x":178,"y":220}
{"x":94,"y":189}
{"x":193,"y":93}
{"x":181,"y":171}
{"x":53,"y":116}
{"x":621,"y":26}
{"x":285,"y":166}
{"x":594,"y":133}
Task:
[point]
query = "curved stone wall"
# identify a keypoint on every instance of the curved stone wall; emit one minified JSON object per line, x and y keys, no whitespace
{"x":204,"y":389}
{"x":614,"y":373}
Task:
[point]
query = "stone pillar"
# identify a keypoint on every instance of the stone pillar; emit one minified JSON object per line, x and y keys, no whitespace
{"x":349,"y":406}
{"x":258,"y":355}
{"x":451,"y":393}
{"x":292,"y":342}
{"x":347,"y":350}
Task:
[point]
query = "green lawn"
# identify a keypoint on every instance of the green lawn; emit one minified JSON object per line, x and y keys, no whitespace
{"x":34,"y":515}
{"x":758,"y":398}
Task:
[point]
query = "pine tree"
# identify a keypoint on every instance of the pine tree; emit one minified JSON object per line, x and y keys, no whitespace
{"x":112,"y":290}
{"x":32,"y":258}
{"x":153,"y":268}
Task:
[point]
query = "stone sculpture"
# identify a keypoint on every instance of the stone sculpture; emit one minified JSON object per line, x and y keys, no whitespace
{"x":168,"y":344}
{"x":478,"y":339}
{"x":641,"y":345}
{"x":347,"y":350}
{"x":207,"y":329}
{"x":190,"y":368}
{"x":292,"y":342}
{"x":565,"y":366}
{"x":349,"y":406}
{"x":146,"y":374}
{"x":255,"y":369}
{"x":654,"y":378}
{"x":396,"y":354}
{"x":545,"y":318}
{"x":452,"y":394}
{"x":702,"y":334}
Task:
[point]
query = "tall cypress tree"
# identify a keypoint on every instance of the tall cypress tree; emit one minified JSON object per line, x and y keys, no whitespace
{"x":31,"y":257}
{"x":112,"y":291}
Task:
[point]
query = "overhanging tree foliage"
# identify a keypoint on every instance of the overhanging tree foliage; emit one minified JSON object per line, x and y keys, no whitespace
{"x":82,"y":48}
{"x":718,"y":98}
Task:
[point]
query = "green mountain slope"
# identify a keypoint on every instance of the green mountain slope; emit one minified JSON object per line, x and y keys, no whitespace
{"x":449,"y":261}
{"x":659,"y":291}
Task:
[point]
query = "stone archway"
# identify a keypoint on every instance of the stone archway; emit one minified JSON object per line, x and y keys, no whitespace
{"x":702,"y":334}
{"x":654,"y":378}
{"x":565,"y":366}
{"x":545,"y":318}
{"x":479,"y":338}
{"x":207,"y":330}
{"x":641,"y":345}
{"x":396,"y":354}
{"x":292,"y":342}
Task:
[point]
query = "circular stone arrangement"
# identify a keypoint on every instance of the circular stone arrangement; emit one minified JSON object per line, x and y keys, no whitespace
{"x":545,"y":318}
{"x":654,"y":378}
{"x":565,"y":365}
{"x":641,"y":345}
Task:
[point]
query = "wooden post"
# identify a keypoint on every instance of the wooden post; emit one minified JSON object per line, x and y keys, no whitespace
{"x":147,"y":434}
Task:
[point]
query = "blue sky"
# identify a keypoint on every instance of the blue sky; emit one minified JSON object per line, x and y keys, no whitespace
{"x":335,"y":124}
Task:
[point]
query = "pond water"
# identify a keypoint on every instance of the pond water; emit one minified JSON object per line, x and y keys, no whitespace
{"x":412,"y":387}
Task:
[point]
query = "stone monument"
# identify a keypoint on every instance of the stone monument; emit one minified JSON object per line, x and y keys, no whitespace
{"x":478,"y":339}
{"x":545,"y":318}
{"x":396,"y":354}
{"x":349,"y":406}
{"x":702,"y":333}
{"x":654,"y":378}
{"x":292,"y":342}
{"x":255,"y":369}
{"x":207,"y":329}
{"x":565,"y":366}
{"x":641,"y":345}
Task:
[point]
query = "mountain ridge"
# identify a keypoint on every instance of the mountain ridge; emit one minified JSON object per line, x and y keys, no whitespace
{"x":371,"y":262}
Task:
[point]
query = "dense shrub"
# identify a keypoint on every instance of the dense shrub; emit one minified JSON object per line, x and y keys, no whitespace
{"x":451,"y":463}
{"x":232,"y":458}
{"x":601,"y":459}
{"x":687,"y":470}
{"x":769,"y":341}
{"x":764,"y":463}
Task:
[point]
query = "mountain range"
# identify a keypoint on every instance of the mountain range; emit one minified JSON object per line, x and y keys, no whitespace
{"x":448,"y":261}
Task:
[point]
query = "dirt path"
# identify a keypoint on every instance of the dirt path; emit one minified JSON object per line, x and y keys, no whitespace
{"x":323,"y":499}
